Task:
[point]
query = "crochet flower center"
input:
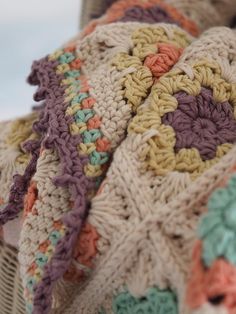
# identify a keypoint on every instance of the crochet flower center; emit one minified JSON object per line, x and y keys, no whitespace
{"x":199,"y":122}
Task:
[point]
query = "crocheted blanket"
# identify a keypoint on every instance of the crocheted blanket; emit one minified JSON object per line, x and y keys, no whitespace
{"x":128,"y":165}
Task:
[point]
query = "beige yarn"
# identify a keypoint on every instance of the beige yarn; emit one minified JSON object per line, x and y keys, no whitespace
{"x":145,"y":229}
{"x":13,"y":159}
{"x":99,"y":53}
{"x":217,"y":44}
{"x":206,"y":13}
{"x":7,"y":161}
{"x":146,"y":222}
{"x":52,"y":202}
{"x":209,"y":309}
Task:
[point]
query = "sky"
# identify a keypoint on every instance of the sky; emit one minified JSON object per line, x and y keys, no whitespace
{"x":30,"y":29}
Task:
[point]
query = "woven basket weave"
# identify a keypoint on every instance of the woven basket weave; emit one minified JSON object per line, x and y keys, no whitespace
{"x":11,"y":292}
{"x":93,"y":9}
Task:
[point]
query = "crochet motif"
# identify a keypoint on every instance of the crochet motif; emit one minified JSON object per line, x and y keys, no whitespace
{"x":215,"y":285}
{"x":213,"y":277}
{"x":199,"y":122}
{"x":218,"y":228}
{"x":153,"y":54}
{"x":92,"y":149}
{"x":184,"y":142}
{"x":122,"y":61}
{"x":120,"y":9}
{"x":16,"y":170}
{"x":161,"y":62}
{"x":184,"y":128}
{"x":145,"y":238}
{"x":155,"y":302}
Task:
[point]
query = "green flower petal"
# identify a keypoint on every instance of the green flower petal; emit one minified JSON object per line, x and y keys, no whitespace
{"x":230,"y":253}
{"x":219,"y":200}
{"x":143,"y":308}
{"x":232,"y":182}
{"x":208,"y":223}
{"x":215,"y":244}
{"x":156,"y":302}
{"x":230,"y":216}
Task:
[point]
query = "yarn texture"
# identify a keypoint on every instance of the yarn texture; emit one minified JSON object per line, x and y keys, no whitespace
{"x":121,"y":184}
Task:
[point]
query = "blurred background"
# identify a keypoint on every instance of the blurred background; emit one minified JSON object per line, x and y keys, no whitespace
{"x":30,"y":29}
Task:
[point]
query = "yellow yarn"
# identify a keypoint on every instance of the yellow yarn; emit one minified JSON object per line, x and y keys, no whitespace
{"x":93,"y":170}
{"x":21,"y":131}
{"x":160,"y":155}
{"x":137,"y":84}
{"x":78,"y":128}
{"x":62,"y":68}
{"x":146,"y":39}
{"x":55,"y":55}
{"x":87,"y":148}
{"x":70,"y":97}
{"x":71,"y":110}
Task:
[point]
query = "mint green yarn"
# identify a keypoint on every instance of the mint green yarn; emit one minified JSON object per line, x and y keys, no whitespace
{"x":29,"y":308}
{"x":41,"y":259}
{"x":155,"y":302}
{"x":78,"y":98}
{"x":84,"y":115}
{"x":54,"y":237}
{"x":31,"y":283}
{"x":217,"y":229}
{"x":67,"y":57}
{"x":91,"y":136}
{"x":72,"y":73}
{"x":97,"y":158}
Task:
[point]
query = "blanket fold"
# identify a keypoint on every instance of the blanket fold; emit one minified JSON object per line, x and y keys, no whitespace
{"x":134,"y":132}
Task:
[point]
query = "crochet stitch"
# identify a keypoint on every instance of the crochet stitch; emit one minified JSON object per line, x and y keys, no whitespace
{"x":87,"y":133}
{"x":151,"y":233}
{"x":213,"y":275}
{"x":134,"y":133}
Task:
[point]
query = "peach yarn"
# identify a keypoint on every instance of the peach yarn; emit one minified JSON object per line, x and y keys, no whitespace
{"x":163,"y":61}
{"x":205,"y":284}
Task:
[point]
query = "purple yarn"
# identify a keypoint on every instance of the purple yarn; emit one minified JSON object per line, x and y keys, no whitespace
{"x":151,"y":15}
{"x":20,"y":184}
{"x":54,"y":124}
{"x":199,"y":122}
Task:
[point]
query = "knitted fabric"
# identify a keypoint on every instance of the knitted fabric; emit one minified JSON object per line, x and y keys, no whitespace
{"x":154,"y":106}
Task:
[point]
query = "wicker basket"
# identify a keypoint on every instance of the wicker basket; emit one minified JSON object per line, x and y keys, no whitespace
{"x":93,"y":9}
{"x":11,"y":292}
